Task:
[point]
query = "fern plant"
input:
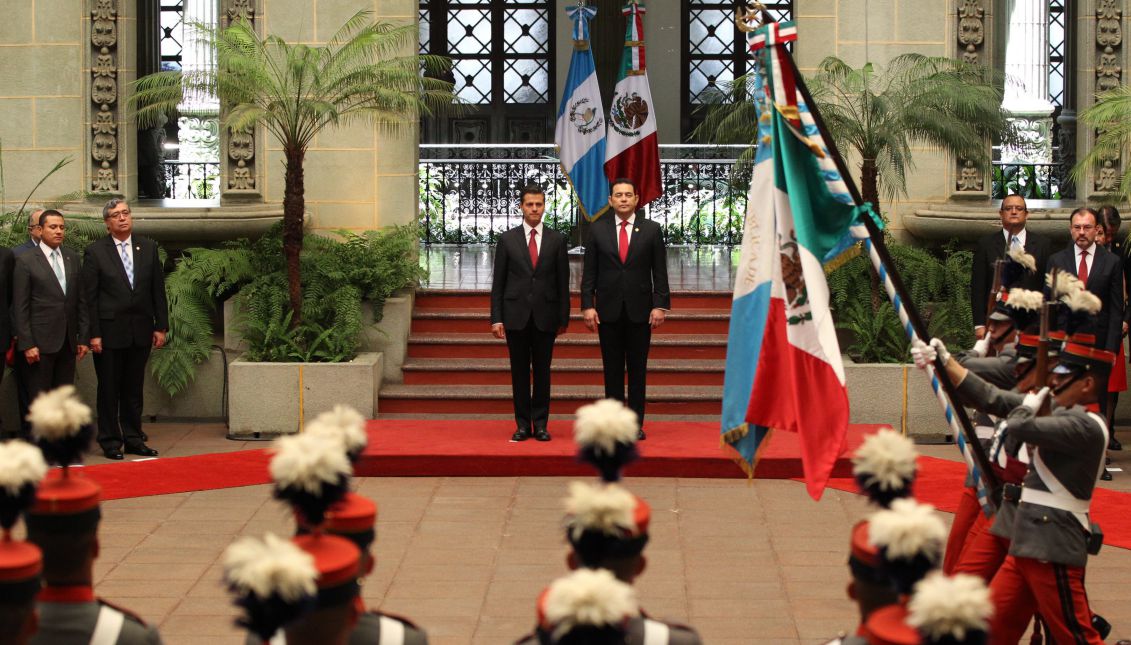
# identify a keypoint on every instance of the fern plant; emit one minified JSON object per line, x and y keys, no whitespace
{"x":337,"y":276}
{"x":938,"y":284}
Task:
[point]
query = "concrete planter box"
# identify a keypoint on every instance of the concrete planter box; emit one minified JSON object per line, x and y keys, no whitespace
{"x":876,"y":395}
{"x":269,"y":399}
{"x":388,"y":337}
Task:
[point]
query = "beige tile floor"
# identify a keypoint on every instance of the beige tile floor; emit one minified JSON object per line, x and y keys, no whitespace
{"x":466,"y":557}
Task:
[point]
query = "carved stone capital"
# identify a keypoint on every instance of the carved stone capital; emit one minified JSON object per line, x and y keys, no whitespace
{"x":1109,"y":75}
{"x":239,"y":158}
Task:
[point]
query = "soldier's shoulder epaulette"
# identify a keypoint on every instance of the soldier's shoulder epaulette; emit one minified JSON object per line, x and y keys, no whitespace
{"x":130,"y":615}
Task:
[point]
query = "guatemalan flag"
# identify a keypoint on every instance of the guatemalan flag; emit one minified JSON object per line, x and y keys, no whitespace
{"x":634,"y":147}
{"x":580,"y":133}
{"x":783,"y":367}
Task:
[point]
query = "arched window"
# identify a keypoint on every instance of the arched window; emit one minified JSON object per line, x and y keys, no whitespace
{"x":714,"y":53}
{"x":502,"y":66}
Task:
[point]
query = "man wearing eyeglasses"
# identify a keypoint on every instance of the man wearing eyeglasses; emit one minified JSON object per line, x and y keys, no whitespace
{"x":125,"y":290}
{"x":993,"y":247}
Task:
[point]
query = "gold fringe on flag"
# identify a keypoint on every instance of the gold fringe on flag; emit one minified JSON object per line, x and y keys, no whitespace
{"x":840,"y":260}
{"x":740,"y":432}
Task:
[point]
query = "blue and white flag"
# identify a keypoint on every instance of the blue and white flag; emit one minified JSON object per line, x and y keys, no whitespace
{"x":580,"y":134}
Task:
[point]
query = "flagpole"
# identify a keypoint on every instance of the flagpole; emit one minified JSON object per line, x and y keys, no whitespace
{"x":904,"y":305}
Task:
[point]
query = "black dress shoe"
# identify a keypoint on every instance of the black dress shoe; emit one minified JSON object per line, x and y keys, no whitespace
{"x":522,"y":434}
{"x":640,"y":436}
{"x":1106,"y":476}
{"x":541,"y":434}
{"x":1113,"y":443}
{"x":114,"y":454}
{"x":142,"y":450}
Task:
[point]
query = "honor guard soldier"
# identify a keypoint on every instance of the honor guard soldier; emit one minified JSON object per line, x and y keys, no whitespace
{"x":305,"y":588}
{"x":884,"y":468}
{"x":21,"y":563}
{"x":943,"y":610}
{"x":591,"y":607}
{"x":63,"y":523}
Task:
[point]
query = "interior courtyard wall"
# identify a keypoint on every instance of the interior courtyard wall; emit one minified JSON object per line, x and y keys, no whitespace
{"x":43,"y":74}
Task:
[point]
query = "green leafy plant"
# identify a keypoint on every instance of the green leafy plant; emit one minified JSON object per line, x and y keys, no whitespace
{"x":880,"y":114}
{"x":939,"y":285}
{"x":295,"y":91}
{"x":337,"y":276}
{"x":1111,"y":117}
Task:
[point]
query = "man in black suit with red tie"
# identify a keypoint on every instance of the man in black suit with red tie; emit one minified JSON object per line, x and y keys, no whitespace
{"x":624,"y":293}
{"x":1102,"y":274}
{"x":530,"y":307}
{"x":125,"y":290}
{"x":990,"y":248}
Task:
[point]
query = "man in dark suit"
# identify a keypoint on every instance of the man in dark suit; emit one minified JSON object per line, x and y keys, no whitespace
{"x":624,"y":293}
{"x":1014,"y":213}
{"x":530,"y":307}
{"x":48,"y":309}
{"x":1102,"y":274}
{"x":129,"y":315}
{"x":19,"y":363}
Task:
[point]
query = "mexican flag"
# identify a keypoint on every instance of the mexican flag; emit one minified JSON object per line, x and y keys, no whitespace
{"x":632,"y":149}
{"x":783,"y":369}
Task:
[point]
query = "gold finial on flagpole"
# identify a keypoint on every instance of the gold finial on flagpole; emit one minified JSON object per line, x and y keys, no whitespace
{"x":749,"y":16}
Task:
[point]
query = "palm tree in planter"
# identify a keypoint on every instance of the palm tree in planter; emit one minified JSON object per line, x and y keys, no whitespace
{"x":362,"y":74}
{"x":876,"y":116}
{"x":1111,"y":115}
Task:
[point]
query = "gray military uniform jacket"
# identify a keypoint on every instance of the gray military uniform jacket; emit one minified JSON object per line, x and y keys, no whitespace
{"x":643,"y":631}
{"x":372,"y":628}
{"x":1070,"y":445}
{"x":90,"y":623}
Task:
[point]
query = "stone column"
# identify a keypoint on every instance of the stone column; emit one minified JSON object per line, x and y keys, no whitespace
{"x":974,"y":26}
{"x":240,"y":176}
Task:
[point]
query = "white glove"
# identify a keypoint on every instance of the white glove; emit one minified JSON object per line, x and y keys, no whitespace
{"x":980,"y":348}
{"x":1034,"y":401}
{"x":922,"y":354}
{"x":940,"y":349}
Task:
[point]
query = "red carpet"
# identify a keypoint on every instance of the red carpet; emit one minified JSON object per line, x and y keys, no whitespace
{"x":481,"y":448}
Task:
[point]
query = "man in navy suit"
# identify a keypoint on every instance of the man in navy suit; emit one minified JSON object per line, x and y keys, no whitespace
{"x":1104,"y":276}
{"x":125,"y":291}
{"x":48,"y":310}
{"x":624,"y":293}
{"x":530,"y":307}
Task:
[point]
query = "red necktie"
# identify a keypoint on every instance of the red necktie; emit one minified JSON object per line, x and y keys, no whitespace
{"x":623,"y":241}
{"x":1082,"y":272}
{"x":533,"y":248}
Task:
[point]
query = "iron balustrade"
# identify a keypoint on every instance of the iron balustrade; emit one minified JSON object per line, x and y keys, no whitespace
{"x":469,"y":193}
{"x":1031,"y":180}
{"x":192,"y":179}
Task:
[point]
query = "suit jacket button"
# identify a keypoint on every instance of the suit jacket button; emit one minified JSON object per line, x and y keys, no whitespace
{"x":1045,"y":518}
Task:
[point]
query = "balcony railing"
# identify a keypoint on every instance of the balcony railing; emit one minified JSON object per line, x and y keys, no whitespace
{"x":469,"y":193}
{"x":1031,"y":181}
{"x":192,"y":179}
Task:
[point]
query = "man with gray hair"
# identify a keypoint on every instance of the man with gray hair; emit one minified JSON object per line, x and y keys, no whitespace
{"x":129,"y":315}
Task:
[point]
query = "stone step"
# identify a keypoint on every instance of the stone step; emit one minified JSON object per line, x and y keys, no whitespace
{"x":451,"y":320}
{"x":582,"y":345}
{"x":427,"y":400}
{"x":564,"y":371}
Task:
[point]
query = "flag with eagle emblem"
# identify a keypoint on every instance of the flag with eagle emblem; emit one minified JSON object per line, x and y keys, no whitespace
{"x":580,"y":133}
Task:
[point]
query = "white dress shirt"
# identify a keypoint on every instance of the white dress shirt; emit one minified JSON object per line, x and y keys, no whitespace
{"x":537,"y":238}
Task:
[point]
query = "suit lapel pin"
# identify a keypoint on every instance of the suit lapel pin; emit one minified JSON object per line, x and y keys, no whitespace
{"x":635,"y":230}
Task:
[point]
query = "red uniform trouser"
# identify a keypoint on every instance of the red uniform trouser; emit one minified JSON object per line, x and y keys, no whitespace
{"x":1024,"y":586}
{"x":964,"y":516}
{"x":983,"y":552}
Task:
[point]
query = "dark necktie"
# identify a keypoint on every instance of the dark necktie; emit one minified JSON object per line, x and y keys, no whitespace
{"x":533,"y":248}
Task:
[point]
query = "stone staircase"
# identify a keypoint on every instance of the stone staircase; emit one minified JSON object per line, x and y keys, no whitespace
{"x":454,"y":366}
